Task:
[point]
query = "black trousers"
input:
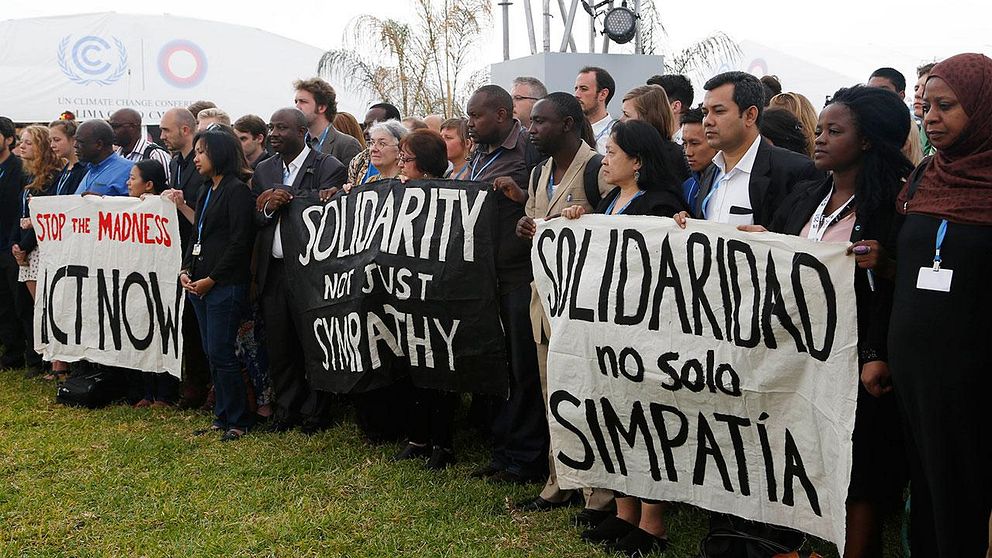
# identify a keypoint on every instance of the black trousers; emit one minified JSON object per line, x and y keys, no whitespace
{"x":294,"y":401}
{"x":16,"y":316}
{"x":432,"y":417}
{"x":520,"y":427}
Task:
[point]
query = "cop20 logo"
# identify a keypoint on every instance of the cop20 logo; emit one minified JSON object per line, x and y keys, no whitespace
{"x":92,"y":59}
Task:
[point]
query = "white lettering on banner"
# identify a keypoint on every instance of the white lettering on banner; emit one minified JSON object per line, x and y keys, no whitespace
{"x":704,"y":365}
{"x":108,"y":288}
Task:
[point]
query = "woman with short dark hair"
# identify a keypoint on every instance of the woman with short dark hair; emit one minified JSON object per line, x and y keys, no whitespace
{"x":158,"y":389}
{"x":217,"y":270}
{"x":423,"y":154}
{"x":784,"y":130}
{"x":646,"y":184}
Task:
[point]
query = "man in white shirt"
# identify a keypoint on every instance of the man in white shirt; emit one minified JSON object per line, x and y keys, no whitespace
{"x":594,"y":87}
{"x":295,"y":169}
{"x":749,"y":176}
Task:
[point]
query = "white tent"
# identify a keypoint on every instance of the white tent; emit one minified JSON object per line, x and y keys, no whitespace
{"x":816,"y":82}
{"x":94,"y":64}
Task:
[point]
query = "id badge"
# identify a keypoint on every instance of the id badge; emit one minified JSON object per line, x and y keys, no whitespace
{"x":196,"y":249}
{"x":931,"y":279}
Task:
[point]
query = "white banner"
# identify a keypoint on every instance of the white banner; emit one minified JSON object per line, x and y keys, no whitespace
{"x":705,"y":365}
{"x":108,"y":287}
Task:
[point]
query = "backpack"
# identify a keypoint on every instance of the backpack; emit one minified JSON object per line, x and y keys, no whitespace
{"x":151,"y":148}
{"x":590,"y":179}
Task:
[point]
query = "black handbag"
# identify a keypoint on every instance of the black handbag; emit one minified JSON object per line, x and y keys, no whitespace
{"x":732,"y":537}
{"x":92,"y":389}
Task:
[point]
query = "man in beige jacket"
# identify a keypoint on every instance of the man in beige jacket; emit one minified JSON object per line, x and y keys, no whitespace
{"x":559,"y":129}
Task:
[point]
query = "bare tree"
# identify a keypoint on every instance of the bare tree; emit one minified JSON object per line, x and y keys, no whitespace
{"x":422,"y":67}
{"x":692,"y":60}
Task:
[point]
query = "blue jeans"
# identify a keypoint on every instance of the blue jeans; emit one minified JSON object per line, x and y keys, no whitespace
{"x":219,"y":315}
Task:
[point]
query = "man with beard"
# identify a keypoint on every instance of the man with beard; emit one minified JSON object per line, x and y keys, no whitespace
{"x":318,"y":102}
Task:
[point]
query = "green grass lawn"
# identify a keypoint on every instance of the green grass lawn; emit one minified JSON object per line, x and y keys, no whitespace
{"x":136,"y":482}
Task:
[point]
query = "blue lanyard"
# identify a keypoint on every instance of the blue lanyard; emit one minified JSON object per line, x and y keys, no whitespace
{"x":941,"y":233}
{"x":609,"y":210}
{"x":203,"y":213}
{"x":716,"y":184}
{"x":475,"y":173}
{"x":89,"y":183}
{"x":24,"y":204}
{"x":62,"y":180}
{"x":322,"y":138}
{"x":609,"y":126}
{"x":461,"y":173}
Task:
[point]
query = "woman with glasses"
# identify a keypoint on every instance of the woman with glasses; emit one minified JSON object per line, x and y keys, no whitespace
{"x":423,"y":156}
{"x":384,"y":152}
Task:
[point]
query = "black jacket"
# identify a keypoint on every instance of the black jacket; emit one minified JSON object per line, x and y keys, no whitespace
{"x":227,"y":236}
{"x":319,"y":171}
{"x":72,"y":181}
{"x":661,"y":202}
{"x":875,"y":306}
{"x":338,"y":145}
{"x":25,"y":238}
{"x":11,"y":186}
{"x":183,"y":176}
{"x":774,"y":174}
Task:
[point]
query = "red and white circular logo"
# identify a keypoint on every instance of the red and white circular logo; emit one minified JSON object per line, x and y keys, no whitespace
{"x":182,"y":63}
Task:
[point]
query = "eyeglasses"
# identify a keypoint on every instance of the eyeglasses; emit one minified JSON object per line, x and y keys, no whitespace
{"x":381,"y":144}
{"x":522,"y":98}
{"x":404,"y":159}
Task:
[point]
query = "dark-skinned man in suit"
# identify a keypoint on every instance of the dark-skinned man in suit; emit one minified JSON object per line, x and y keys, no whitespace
{"x":295,"y":170}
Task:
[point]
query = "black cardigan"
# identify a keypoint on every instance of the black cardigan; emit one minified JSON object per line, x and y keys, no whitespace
{"x":228,"y":234}
{"x":874,"y":307}
{"x":663,"y":202}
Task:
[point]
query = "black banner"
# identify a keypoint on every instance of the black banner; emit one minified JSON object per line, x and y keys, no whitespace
{"x":394,"y":278}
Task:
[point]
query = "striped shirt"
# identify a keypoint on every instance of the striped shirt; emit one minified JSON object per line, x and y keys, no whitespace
{"x":138,"y":154}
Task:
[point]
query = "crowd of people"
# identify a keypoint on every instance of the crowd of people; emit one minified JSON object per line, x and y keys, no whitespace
{"x":908,"y":189}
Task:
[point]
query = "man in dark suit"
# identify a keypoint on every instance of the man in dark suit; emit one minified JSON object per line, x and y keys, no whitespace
{"x":16,"y":305}
{"x":294,"y":170}
{"x":744,"y":185}
{"x":318,"y":101}
{"x":178,"y":127}
{"x":749,"y":177}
